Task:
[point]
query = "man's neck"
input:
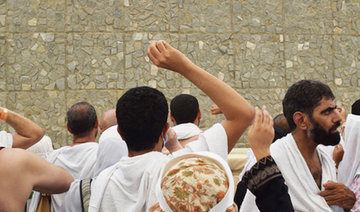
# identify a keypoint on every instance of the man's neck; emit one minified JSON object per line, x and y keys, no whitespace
{"x":306,"y":146}
{"x":81,"y":140}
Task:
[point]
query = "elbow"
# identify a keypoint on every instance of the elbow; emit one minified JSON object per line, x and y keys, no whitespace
{"x":249,"y":117}
{"x":38,"y":134}
{"x":67,"y":180}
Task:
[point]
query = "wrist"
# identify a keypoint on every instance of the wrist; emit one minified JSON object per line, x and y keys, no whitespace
{"x":259,"y":154}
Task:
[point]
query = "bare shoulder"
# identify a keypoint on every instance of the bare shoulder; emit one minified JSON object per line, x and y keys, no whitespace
{"x":15,"y":157}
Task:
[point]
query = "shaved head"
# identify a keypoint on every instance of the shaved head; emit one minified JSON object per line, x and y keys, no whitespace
{"x":108,"y":119}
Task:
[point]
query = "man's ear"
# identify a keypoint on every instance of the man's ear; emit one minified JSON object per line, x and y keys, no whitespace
{"x":199,"y":114}
{"x":301,"y":120}
{"x":172,"y":119}
{"x":68,"y":128}
{"x":165,"y":129}
{"x":96,"y":123}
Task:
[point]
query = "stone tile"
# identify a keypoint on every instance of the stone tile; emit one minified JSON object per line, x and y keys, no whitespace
{"x":211,"y":16}
{"x":271,"y":97}
{"x":346,"y":17}
{"x":346,"y":97}
{"x":127,"y":15}
{"x":46,"y":108}
{"x":259,"y":61}
{"x":3,"y":16}
{"x":95,"y":61}
{"x":213,"y":53}
{"x":36,"y":16}
{"x":3,"y":63}
{"x":257,"y":16}
{"x":304,"y":17}
{"x":139,"y":70}
{"x":3,"y":103}
{"x":102,"y":100}
{"x":347,"y":60}
{"x":36,"y":61}
{"x":309,"y":57}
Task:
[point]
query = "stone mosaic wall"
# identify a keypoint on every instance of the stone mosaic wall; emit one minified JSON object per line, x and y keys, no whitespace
{"x":54,"y":53}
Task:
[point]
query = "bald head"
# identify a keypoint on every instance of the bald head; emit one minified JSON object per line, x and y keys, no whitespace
{"x":108,"y":119}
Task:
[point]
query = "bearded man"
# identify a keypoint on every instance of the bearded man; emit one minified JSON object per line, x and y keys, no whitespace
{"x":308,"y":170}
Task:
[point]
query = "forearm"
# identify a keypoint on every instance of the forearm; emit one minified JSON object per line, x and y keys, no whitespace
{"x":27,"y":132}
{"x":231,"y":103}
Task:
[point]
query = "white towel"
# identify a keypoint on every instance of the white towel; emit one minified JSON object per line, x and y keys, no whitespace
{"x":350,"y":164}
{"x":184,"y":131}
{"x":303,"y":189}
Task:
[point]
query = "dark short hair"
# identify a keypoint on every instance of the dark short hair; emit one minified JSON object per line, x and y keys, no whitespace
{"x":184,"y":108}
{"x":355,"y":107}
{"x":81,"y":118}
{"x":304,"y":96}
{"x":281,"y":122}
{"x":141,"y":115}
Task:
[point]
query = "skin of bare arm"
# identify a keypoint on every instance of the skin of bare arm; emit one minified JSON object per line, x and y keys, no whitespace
{"x":27,"y":132}
{"x":23,"y":172}
{"x":237,"y":111}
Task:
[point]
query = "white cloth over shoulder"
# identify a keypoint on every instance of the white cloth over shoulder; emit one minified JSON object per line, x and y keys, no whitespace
{"x":303,"y":189}
{"x":6,"y":139}
{"x":111,"y":149}
{"x":130,"y":184}
{"x":350,"y":164}
{"x":187,"y":130}
{"x":43,"y":148}
{"x":78,"y":160}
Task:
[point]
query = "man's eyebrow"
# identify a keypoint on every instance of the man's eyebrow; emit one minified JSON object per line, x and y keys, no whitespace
{"x":329,"y":109}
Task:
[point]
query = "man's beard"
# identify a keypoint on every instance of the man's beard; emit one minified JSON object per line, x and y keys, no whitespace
{"x":320,"y":136}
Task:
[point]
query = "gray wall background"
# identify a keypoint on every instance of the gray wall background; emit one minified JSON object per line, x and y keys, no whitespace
{"x":54,"y":53}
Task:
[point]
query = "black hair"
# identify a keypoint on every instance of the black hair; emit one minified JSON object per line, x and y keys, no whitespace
{"x":141,"y":115}
{"x":304,"y":96}
{"x":355,"y":107}
{"x":184,"y":108}
{"x":81,"y":118}
{"x":281,"y":122}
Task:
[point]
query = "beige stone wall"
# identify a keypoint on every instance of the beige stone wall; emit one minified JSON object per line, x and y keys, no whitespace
{"x":54,"y":53}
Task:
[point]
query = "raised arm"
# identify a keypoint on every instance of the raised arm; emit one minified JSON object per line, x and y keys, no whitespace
{"x":27,"y":132}
{"x":237,"y":111}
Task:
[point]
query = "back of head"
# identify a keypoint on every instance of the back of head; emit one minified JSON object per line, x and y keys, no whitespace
{"x":107,"y":120}
{"x":81,"y":118}
{"x":281,"y":122}
{"x":141,"y":115}
{"x":184,"y":108}
{"x":304,"y":96}
{"x":355,"y":108}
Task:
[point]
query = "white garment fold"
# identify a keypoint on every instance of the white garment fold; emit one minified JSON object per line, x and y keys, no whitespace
{"x":78,"y":160}
{"x":129,"y":185}
{"x":350,"y":164}
{"x":125,"y":194}
{"x":111,"y":149}
{"x":185,"y":131}
{"x":303,"y":189}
